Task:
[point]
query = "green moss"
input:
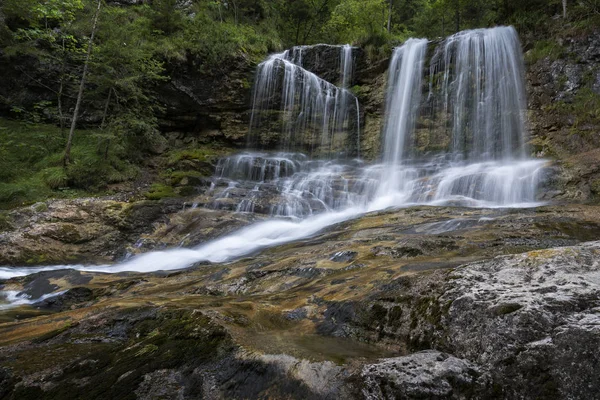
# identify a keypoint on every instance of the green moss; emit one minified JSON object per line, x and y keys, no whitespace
{"x":40,"y":207}
{"x":160,"y":340}
{"x":6,"y":222}
{"x":52,"y":334}
{"x":594,"y":185}
{"x":205,"y":154}
{"x":544,"y":49}
{"x":160,"y":191}
{"x":585,"y":107}
{"x":148,"y":349}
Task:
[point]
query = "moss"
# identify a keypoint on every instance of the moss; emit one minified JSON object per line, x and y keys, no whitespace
{"x":160,"y":191}
{"x":52,"y":334}
{"x":595,"y":186}
{"x":6,"y":222}
{"x":148,"y":349}
{"x":176,"y":177}
{"x":205,"y":153}
{"x":165,"y":339}
{"x":584,"y":107}
{"x":31,"y":164}
{"x":544,"y":49}
{"x":40,"y":207}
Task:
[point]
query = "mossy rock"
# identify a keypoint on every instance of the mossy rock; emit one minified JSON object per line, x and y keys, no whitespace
{"x":155,"y":340}
{"x":595,"y":186}
{"x":6,"y":222}
{"x":160,"y":191}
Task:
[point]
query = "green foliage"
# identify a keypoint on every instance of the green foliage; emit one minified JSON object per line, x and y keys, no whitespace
{"x":31,"y":163}
{"x":55,"y":177}
{"x":137,"y":47}
{"x":356,"y":20}
{"x":160,"y":191}
{"x":585,"y":107}
{"x":544,"y":49}
{"x":302,"y":21}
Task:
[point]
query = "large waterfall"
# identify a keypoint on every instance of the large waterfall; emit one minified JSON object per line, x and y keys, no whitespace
{"x":482,"y":93}
{"x":470,"y":102}
{"x":311,"y":114}
{"x":476,"y":104}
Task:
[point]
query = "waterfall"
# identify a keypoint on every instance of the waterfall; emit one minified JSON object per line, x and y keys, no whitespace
{"x":309,"y":113}
{"x":483,"y":93}
{"x":477,"y":98}
{"x":476,"y":102}
{"x":403,"y":99}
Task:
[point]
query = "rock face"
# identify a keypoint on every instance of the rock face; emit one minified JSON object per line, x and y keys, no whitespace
{"x":197,"y":105}
{"x":564,"y":99}
{"x":423,"y":375}
{"x":531,"y":320}
{"x":521,"y":326}
{"x":103,"y":230}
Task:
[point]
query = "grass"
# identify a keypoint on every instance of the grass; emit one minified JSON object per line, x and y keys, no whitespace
{"x":544,"y":49}
{"x":31,"y":164}
{"x":585,"y":107}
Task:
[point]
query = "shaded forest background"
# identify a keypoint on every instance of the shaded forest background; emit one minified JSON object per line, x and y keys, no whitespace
{"x":127,"y":48}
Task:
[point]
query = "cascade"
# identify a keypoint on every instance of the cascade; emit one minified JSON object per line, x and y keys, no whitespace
{"x":288,"y":183}
{"x":476,"y":99}
{"x":309,"y":114}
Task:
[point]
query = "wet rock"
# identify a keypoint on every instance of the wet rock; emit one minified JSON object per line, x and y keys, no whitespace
{"x":343,"y":256}
{"x":69,"y":299}
{"x":161,"y":384}
{"x":424,"y":375}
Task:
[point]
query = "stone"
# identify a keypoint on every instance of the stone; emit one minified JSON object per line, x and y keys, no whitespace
{"x":424,"y":375}
{"x":343,"y":256}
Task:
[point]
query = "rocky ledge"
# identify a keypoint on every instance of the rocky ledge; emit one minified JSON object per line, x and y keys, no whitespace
{"x":440,"y":303}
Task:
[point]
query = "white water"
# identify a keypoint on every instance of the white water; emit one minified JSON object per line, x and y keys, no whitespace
{"x":483,"y":93}
{"x":318,"y":194}
{"x":13,"y":298}
{"x":403,"y":99}
{"x":314,"y":115}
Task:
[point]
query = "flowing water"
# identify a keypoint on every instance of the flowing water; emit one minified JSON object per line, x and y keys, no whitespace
{"x":475,"y":88}
{"x":308,"y":113}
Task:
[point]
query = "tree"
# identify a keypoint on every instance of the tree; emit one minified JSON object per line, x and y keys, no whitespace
{"x":123,"y":75}
{"x":41,"y":30}
{"x":354,"y":20}
{"x":564,"y":6}
{"x":67,"y":156}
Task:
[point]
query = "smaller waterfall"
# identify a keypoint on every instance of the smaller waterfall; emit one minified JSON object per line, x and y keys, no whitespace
{"x":308,"y":113}
{"x":288,"y":184}
{"x":403,"y":99}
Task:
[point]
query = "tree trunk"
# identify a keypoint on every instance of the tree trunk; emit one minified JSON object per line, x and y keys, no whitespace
{"x":457,"y":14}
{"x":389,"y":21}
{"x":564,"y":4}
{"x":61,"y":116}
{"x":67,"y":156}
{"x":103,"y":124}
